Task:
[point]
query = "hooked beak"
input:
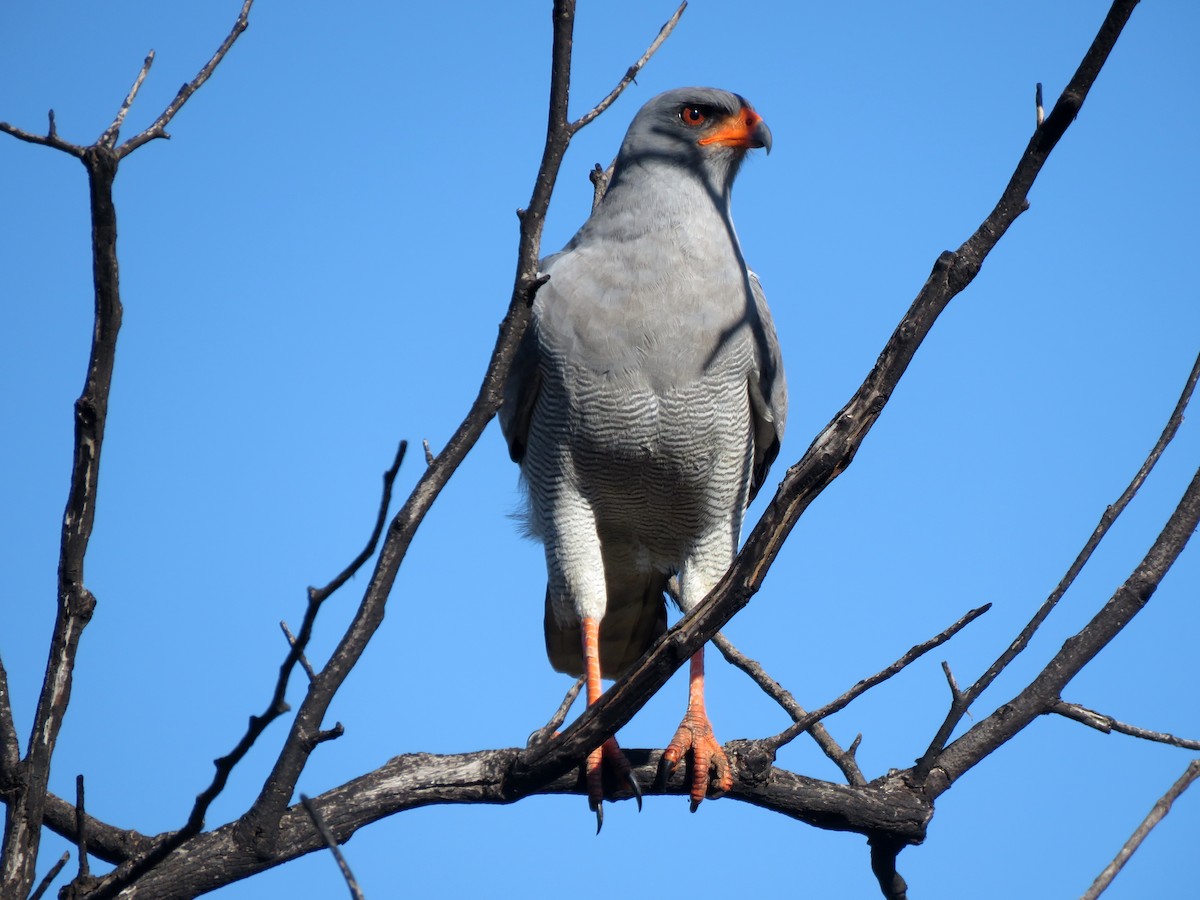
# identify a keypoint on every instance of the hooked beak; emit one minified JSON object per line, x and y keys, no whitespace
{"x":745,"y":130}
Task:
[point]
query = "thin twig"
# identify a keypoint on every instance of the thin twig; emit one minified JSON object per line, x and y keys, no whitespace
{"x":318,"y":595}
{"x":631,"y":74}
{"x":51,"y":139}
{"x":1157,"y":813}
{"x":1108,"y":724}
{"x":45,"y":883}
{"x":915,"y":653}
{"x":158,"y":127}
{"x":560,"y":715}
{"x":843,"y":759}
{"x":1037,"y":99}
{"x":954,"y":716}
{"x":294,"y":644}
{"x":1040,"y":695}
{"x":332,"y":844}
{"x":109,"y":137}
{"x":277,"y":705}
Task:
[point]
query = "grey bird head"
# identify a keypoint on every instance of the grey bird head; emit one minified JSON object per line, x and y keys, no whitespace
{"x":704,"y":130}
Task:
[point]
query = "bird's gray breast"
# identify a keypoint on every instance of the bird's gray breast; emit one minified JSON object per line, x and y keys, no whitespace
{"x":643,"y":409}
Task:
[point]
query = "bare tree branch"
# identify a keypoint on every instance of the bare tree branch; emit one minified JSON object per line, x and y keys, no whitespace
{"x":80,"y":827}
{"x":158,"y":127}
{"x":1108,"y":724}
{"x":1043,"y":692}
{"x":48,"y":880}
{"x":316,"y":595}
{"x":802,"y":724}
{"x":50,"y":139}
{"x":219,"y":857}
{"x":28,"y":786}
{"x":23,"y":823}
{"x":631,"y":75}
{"x":843,"y":759}
{"x":10,"y":744}
{"x":1157,"y":814}
{"x":331,"y":842}
{"x":963,"y":701}
{"x":109,"y":137}
{"x":560,"y":714}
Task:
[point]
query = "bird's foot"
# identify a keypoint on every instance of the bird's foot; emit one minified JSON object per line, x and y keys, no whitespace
{"x":695,"y":734}
{"x":608,"y":754}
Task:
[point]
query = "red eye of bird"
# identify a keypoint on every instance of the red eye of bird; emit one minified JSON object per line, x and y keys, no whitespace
{"x":693,"y":115}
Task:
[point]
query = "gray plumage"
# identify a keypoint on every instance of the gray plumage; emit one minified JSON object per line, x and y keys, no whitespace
{"x":647,"y":400}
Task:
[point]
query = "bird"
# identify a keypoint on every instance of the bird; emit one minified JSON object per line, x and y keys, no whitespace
{"x":645,"y":404}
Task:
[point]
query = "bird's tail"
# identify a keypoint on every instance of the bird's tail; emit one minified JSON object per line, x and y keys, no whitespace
{"x":636,"y":617}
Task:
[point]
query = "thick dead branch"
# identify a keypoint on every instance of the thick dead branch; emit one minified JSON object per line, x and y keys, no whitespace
{"x":219,"y":857}
{"x":23,"y":824}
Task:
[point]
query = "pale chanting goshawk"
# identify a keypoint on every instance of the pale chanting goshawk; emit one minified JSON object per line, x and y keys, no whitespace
{"x":645,"y":405}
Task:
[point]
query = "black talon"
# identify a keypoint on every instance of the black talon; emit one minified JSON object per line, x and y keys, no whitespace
{"x":665,"y":768}
{"x":637,"y":791}
{"x":599,"y":817}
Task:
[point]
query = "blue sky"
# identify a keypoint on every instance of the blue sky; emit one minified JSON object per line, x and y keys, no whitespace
{"x":314,"y":267}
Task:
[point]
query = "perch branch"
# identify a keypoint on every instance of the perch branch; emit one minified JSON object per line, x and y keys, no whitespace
{"x":218,"y":857}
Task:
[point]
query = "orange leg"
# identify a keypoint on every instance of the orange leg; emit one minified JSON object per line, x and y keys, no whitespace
{"x":608,"y":751}
{"x":695,"y":734}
